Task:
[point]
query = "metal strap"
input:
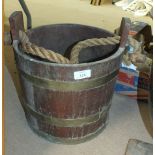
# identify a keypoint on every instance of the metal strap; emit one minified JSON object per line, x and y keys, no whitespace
{"x":69,"y":86}
{"x":60,"y":122}
{"x":69,"y":141}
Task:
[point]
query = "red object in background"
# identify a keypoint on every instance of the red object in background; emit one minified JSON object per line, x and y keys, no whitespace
{"x":127,"y":78}
{"x":132,"y":83}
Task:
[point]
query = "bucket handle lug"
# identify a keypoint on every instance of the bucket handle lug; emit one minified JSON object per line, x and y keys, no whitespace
{"x":124,"y":31}
{"x":16,"y":24}
{"x":27,"y":13}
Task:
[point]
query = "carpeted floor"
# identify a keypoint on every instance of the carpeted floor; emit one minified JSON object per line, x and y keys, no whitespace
{"x":125,"y":123}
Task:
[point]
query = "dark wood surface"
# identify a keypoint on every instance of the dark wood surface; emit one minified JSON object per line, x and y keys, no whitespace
{"x":67,"y":104}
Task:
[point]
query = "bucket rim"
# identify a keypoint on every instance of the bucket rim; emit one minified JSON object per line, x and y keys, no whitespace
{"x":29,"y":58}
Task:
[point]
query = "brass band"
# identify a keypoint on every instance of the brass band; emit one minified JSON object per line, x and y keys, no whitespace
{"x":61,"y":122}
{"x":69,"y":85}
{"x":71,"y":141}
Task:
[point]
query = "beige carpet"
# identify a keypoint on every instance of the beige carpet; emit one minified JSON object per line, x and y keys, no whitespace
{"x":44,"y":12}
{"x":124,"y":123}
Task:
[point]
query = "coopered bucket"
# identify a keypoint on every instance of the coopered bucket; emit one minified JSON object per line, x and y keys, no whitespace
{"x":67,"y":103}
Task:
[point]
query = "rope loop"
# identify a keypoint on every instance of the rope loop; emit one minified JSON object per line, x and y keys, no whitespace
{"x":52,"y":56}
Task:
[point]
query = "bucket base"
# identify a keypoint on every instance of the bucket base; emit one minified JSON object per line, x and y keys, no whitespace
{"x":70,"y":141}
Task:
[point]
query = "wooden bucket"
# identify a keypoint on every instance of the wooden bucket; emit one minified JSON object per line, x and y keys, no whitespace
{"x":67,"y":103}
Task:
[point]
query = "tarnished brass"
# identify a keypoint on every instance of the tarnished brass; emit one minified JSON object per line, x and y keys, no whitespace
{"x":73,"y":122}
{"x":69,"y":141}
{"x":69,"y":86}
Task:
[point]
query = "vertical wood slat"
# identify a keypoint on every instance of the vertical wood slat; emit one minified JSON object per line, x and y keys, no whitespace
{"x":16,"y":24}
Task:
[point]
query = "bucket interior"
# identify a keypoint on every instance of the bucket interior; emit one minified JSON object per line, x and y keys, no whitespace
{"x":61,"y":38}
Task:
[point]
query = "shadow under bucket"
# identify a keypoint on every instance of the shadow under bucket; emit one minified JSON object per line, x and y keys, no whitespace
{"x":68,"y":103}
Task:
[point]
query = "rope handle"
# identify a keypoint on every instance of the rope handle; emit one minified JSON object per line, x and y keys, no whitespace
{"x":90,"y":43}
{"x":41,"y":52}
{"x":58,"y":58}
{"x":17,"y":25}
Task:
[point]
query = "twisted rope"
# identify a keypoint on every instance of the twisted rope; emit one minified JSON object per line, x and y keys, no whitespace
{"x":40,"y":51}
{"x":90,"y":43}
{"x":58,"y":58}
